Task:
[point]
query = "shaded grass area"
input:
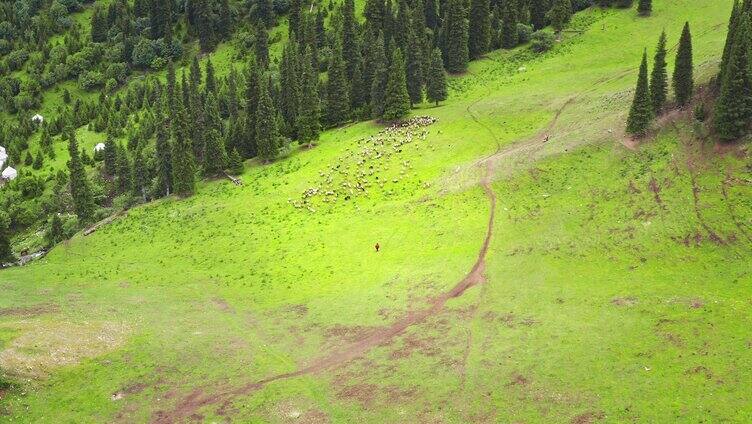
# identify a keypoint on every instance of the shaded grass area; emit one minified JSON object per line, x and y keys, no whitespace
{"x":616,"y":288}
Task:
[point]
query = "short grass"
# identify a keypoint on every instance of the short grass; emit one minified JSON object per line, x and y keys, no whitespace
{"x":617,"y":281}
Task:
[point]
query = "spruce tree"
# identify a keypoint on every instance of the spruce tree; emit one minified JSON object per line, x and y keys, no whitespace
{"x":163,"y":151}
{"x":350,"y":47}
{"x":211,"y":80}
{"x":54,"y":234}
{"x":480,"y":30}
{"x":641,"y":112}
{"x":560,"y":14}
{"x":730,"y":37}
{"x":290,"y":90}
{"x":110,"y":157}
{"x":261,"y":46}
{"x":431,"y":12}
{"x":99,"y":25}
{"x":380,"y":78}
{"x":436,"y":86}
{"x":252,"y":94}
{"x":538,"y":9}
{"x":397,"y":104}
{"x":308,"y":124}
{"x":124,"y":174}
{"x":414,"y":68}
{"x":6,"y":252}
{"x":183,"y":162}
{"x":83,"y":200}
{"x":455,"y":30}
{"x":38,"y":160}
{"x":235,"y":162}
{"x":267,"y":132}
{"x":645,"y":7}
{"x":140,"y":175}
{"x":734,"y":105}
{"x":683,"y":81}
{"x":659,"y":76}
{"x":374,"y":14}
{"x":293,"y":18}
{"x":215,"y":157}
{"x":509,"y":38}
{"x":337,"y":96}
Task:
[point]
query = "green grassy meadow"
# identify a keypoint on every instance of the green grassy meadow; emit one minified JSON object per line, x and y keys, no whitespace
{"x":618,"y":285}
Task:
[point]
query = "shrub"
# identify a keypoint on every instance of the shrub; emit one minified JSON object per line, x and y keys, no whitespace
{"x":542,"y":41}
{"x":90,"y":79}
{"x":524,"y":32}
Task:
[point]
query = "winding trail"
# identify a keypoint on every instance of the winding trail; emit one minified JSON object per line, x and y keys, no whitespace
{"x":189,"y":405}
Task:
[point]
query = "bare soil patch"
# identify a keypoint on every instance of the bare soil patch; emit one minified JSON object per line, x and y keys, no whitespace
{"x":625,"y":301}
{"x":30,"y":311}
{"x":589,"y":417}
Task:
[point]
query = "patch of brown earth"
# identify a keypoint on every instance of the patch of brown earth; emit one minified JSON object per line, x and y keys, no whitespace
{"x":700,"y":370}
{"x":518,"y":380}
{"x":588,"y":417}
{"x":222,"y":305}
{"x":696,"y":303}
{"x":624,"y":301}
{"x":30,"y":311}
{"x":363,"y":394}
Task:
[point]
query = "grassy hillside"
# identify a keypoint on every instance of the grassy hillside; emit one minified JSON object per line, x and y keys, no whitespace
{"x":614,"y":285}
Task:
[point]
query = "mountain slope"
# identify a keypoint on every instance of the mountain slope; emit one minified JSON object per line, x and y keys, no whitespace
{"x":616,"y":281}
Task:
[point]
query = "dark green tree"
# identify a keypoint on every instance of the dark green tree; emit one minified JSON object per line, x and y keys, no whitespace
{"x":6,"y":252}
{"x":261,"y":45}
{"x":163,"y":150}
{"x":641,"y":112}
{"x":290,"y":87}
{"x":683,"y":73}
{"x":99,"y":26}
{"x":509,"y":38}
{"x":455,"y":30}
{"x":436,"y":86}
{"x":480,"y":30}
{"x":124,"y":171}
{"x":380,"y":78}
{"x":730,"y":37}
{"x":294,"y":18}
{"x":374,"y":14}
{"x":414,"y":67}
{"x":110,"y":157}
{"x":267,"y":132}
{"x":83,"y":199}
{"x":337,"y":91}
{"x":645,"y":7}
{"x":235,"y":162}
{"x":211,"y":80}
{"x":538,"y":10}
{"x":140,"y":175}
{"x":734,"y":105}
{"x":560,"y":14}
{"x":55,"y":233}
{"x":659,"y":76}
{"x":215,"y":157}
{"x":397,"y":104}
{"x":183,"y":162}
{"x":308,"y":124}
{"x":160,"y":16}
{"x":38,"y":160}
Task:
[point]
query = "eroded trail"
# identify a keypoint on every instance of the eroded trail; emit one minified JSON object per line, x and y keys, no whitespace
{"x":189,"y":405}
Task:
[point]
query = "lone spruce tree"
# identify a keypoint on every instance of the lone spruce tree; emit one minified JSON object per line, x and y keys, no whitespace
{"x":733,"y":24}
{"x":215,"y":157}
{"x":683,"y":77}
{"x":659,"y":76}
{"x":734,"y":104}
{"x":397,"y":99}
{"x":642,"y":111}
{"x":509,"y":38}
{"x":437,"y":86}
{"x":83,"y":199}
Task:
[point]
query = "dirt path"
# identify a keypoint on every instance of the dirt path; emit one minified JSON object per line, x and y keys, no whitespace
{"x":189,"y":406}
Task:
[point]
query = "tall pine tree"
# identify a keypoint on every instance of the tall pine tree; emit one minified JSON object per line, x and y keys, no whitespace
{"x":267,"y":132}
{"x":645,"y":7}
{"x":436,"y":86}
{"x":683,"y":73}
{"x":83,"y":199}
{"x":380,"y":78}
{"x":397,"y":99}
{"x":734,"y":104}
{"x":183,"y":162}
{"x":309,"y":126}
{"x":6,"y":252}
{"x":337,"y":96}
{"x":455,"y":35}
{"x":659,"y":76}
{"x":480,"y":28}
{"x":641,"y":112}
